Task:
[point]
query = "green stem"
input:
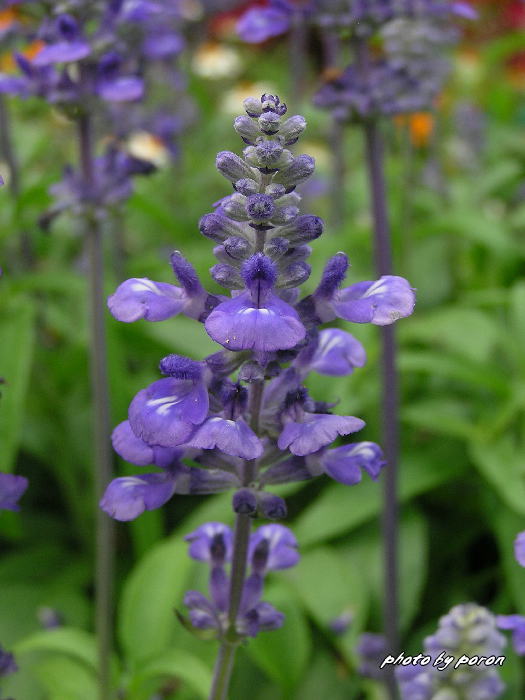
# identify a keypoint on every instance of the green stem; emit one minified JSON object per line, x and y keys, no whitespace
{"x":104,"y":554}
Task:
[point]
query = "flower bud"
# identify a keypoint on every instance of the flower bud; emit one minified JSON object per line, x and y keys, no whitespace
{"x":245,"y":502}
{"x":232,"y":166}
{"x":294,"y":275}
{"x":296,"y":172}
{"x":235,"y":207}
{"x":269,"y":123}
{"x":246,"y":128}
{"x":292,"y":129}
{"x":219,"y":227}
{"x":252,"y":106}
{"x":246,"y":186}
{"x":227,"y":276}
{"x":251,"y":371}
{"x":271,"y":506}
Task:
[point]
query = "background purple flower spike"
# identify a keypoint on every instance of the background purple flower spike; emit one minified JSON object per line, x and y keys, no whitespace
{"x":261,"y":23}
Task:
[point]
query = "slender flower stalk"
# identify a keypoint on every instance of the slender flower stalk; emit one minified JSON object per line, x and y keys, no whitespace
{"x":104,"y":540}
{"x":9,"y":154}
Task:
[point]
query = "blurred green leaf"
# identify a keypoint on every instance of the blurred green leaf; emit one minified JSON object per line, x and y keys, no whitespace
{"x":16,"y":351}
{"x":64,"y":641}
{"x":173,"y":664}
{"x":152,"y":591}
{"x":284,"y":653}
{"x":65,"y":678}
{"x":502,"y":463}
{"x":340,"y":508}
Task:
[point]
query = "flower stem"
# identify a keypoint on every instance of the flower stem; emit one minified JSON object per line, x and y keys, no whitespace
{"x":241,"y":541}
{"x":104,"y":555}
{"x":389,"y":388}
{"x":8,"y":153}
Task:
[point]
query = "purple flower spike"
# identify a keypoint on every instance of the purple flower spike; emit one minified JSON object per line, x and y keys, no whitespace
{"x":129,"y":496}
{"x":167,"y":412}
{"x":211,"y":543}
{"x":316,"y":431}
{"x":11,"y":489}
{"x":344,"y":463}
{"x":519,"y":548}
{"x":69,"y":46}
{"x":381,"y":302}
{"x":337,"y":353}
{"x":272,"y":547}
{"x":134,"y":450}
{"x":232,"y":437}
{"x":516,"y":623}
{"x":464,"y":10}
{"x":261,"y":23}
{"x":141,"y":298}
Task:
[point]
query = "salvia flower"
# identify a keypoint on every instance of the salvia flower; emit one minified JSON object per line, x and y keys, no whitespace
{"x":467,"y":631}
{"x":271,"y":547}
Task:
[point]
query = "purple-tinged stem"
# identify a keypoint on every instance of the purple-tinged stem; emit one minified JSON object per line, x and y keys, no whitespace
{"x":241,"y":541}
{"x":298,"y":56}
{"x":104,"y":556}
{"x":8,"y":152}
{"x":331,"y":58}
{"x":389,"y":388}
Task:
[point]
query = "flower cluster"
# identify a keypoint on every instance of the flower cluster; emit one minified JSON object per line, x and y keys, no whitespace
{"x":271,"y":547}
{"x":95,"y":59}
{"x":467,"y":630}
{"x":218,"y":413}
{"x":409,"y":73}
{"x":362,"y":17}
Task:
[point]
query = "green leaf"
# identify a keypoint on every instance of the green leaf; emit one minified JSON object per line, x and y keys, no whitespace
{"x":442,"y":416}
{"x":328,"y":585}
{"x":173,"y":664}
{"x":16,"y":351}
{"x":150,"y":595}
{"x":65,"y":641}
{"x":284,"y":653}
{"x":502,"y":463}
{"x":66,"y":679}
{"x":340,"y":508}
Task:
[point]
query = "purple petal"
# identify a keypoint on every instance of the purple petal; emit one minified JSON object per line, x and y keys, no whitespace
{"x":261,"y":23}
{"x":282,"y":547}
{"x":202,"y":538}
{"x":344,"y":463}
{"x":123,"y":89}
{"x":162,"y":45}
{"x":232,"y":437}
{"x":202,"y":613}
{"x":252,"y":591}
{"x":318,"y":430}
{"x":142,"y":298}
{"x":11,"y":489}
{"x":337,"y":353}
{"x":238,"y":324}
{"x":167,"y":411}
{"x":519,"y":548}
{"x":381,"y":302}
{"x":62,"y":52}
{"x":463,"y":9}
{"x":268,"y":617}
{"x":127,"y":497}
{"x":516,"y":623}
{"x":134,"y":450}
{"x":219,"y":588}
